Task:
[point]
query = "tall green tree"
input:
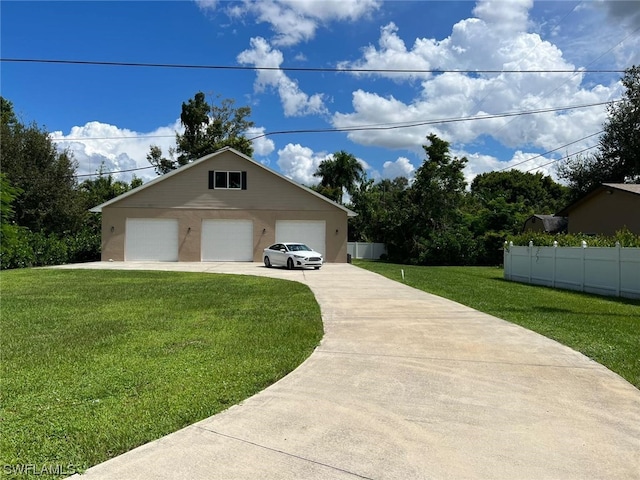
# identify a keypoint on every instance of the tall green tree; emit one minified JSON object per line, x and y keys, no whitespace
{"x":49,"y":200}
{"x":340,"y":173}
{"x":433,"y":231}
{"x":618,"y":157}
{"x":207,"y":128}
{"x":380,"y":208}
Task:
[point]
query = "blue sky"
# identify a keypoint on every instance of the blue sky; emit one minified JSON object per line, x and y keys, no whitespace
{"x":111,"y":115}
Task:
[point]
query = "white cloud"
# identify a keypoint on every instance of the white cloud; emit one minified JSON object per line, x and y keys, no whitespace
{"x":300,"y":163}
{"x":402,"y":167}
{"x":294,"y":101}
{"x":475,"y":43}
{"x":98,"y":145}
{"x":504,"y":17}
{"x":295,"y":21}
{"x":262,"y":146}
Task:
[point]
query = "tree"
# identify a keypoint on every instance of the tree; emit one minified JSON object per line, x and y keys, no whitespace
{"x":534,"y":192}
{"x":618,"y":157}
{"x":432,"y":229}
{"x":380,"y":208}
{"x":49,"y":200}
{"x":340,"y":173}
{"x":207,"y":128}
{"x":103,"y":188}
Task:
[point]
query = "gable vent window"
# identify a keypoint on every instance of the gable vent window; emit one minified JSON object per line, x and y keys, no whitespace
{"x":222,"y":180}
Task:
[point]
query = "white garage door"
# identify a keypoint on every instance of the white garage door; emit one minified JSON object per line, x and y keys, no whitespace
{"x":153,"y":239}
{"x":309,"y":232}
{"x":227,"y":241}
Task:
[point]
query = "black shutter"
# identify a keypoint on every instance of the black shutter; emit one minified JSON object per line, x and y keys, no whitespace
{"x":211,"y":184}
{"x":244,"y":180}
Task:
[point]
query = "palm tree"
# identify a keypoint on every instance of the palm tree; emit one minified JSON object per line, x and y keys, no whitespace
{"x":341,"y":172}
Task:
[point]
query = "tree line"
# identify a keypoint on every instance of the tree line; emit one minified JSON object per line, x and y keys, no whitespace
{"x":434,"y":218}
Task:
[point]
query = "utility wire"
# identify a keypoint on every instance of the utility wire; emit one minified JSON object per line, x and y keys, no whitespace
{"x":551,"y":151}
{"x":370,"y":127}
{"x":561,"y":158}
{"x":291,"y":69}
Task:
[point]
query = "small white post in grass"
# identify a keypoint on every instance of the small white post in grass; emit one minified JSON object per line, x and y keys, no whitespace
{"x":402,"y":272}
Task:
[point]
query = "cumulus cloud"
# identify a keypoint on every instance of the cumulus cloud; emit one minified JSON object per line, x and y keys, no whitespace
{"x":300,"y":163}
{"x":262,"y":146}
{"x":447,"y":104}
{"x":103,"y":147}
{"x":503,"y":17}
{"x":294,"y":21}
{"x":294,"y":101}
{"x":402,"y":167}
{"x":97,"y":146}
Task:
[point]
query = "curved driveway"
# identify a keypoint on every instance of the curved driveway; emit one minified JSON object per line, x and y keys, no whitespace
{"x":406,"y":385}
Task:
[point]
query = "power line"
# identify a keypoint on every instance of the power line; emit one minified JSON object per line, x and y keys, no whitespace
{"x":561,"y":158}
{"x":551,"y":151}
{"x":370,"y":127}
{"x":293,"y":69}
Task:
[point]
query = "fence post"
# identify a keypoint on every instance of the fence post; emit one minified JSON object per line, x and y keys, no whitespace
{"x":619,"y":266}
{"x":510,"y":260}
{"x":505,"y":256}
{"x":555,"y":251}
{"x":584,"y":264}
{"x":530,"y":259}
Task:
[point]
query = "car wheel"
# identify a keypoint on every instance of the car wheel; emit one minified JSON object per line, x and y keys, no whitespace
{"x":267,"y":262}
{"x":289,"y":264}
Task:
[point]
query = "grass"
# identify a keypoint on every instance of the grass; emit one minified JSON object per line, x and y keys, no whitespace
{"x":606,"y":329}
{"x":95,"y":363}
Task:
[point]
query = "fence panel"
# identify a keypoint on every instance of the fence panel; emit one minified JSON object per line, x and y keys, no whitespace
{"x":605,"y":271}
{"x":370,"y":251}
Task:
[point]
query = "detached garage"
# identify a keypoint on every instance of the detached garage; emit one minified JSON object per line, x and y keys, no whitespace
{"x":224,"y":207}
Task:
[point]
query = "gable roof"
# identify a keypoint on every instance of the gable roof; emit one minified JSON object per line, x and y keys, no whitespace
{"x":552,"y":223}
{"x":633,"y":188}
{"x":161,"y":178}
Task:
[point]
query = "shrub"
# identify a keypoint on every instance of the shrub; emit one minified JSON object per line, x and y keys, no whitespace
{"x":625,"y":237}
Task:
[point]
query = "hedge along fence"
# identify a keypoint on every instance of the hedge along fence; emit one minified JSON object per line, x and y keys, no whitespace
{"x":602,"y":270}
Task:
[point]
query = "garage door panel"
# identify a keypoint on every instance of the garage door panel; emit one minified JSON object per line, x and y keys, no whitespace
{"x":151,"y":239}
{"x":310,"y":232}
{"x":227,"y":240}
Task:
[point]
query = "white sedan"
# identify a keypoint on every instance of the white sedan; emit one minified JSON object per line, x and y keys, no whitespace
{"x":291,"y":255}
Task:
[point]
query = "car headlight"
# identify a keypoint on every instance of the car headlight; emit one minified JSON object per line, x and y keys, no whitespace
{"x":299,"y":256}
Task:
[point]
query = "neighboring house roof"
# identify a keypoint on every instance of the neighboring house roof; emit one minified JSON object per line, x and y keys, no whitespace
{"x":633,"y":188}
{"x":552,"y":223}
{"x":161,"y":178}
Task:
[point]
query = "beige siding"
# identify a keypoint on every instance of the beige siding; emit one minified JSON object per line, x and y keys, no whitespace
{"x":190,"y":190}
{"x":606,"y":213}
{"x":185,"y":196}
{"x":190,"y":229}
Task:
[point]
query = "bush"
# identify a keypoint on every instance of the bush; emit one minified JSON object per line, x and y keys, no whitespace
{"x":22,"y":248}
{"x":625,"y":237}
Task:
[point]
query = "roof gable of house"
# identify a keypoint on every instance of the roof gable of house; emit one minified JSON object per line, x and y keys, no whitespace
{"x":191,"y":186}
{"x":631,"y":188}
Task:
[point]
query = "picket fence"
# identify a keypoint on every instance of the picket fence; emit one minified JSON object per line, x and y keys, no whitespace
{"x":613,"y":271}
{"x":370,"y":251}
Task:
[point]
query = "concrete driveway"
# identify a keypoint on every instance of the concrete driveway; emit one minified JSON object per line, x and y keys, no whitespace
{"x":406,"y":385}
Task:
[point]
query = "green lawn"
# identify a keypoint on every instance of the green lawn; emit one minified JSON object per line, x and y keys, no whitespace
{"x":95,"y":363}
{"x":606,"y":329}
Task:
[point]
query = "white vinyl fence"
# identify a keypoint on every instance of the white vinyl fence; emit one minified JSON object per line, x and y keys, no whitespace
{"x":370,"y":251}
{"x":611,"y":271}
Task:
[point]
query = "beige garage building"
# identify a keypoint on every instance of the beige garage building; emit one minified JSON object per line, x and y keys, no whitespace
{"x":222,"y":207}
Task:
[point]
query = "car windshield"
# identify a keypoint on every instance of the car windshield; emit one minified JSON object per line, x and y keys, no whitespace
{"x":298,"y":247}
